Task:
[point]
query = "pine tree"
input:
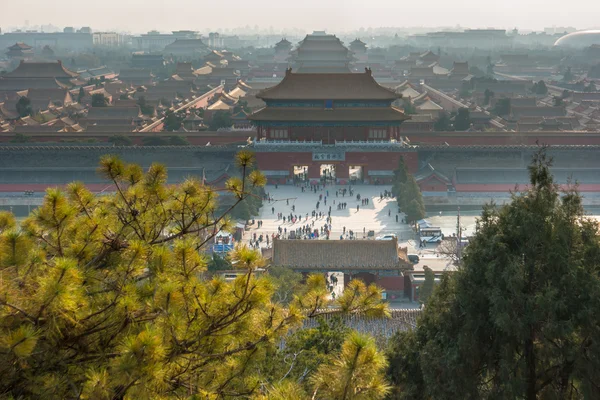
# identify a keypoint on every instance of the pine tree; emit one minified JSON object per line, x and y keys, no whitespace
{"x":519,"y":318}
{"x":106,"y":296}
{"x":427,"y":287}
{"x":356,"y":373}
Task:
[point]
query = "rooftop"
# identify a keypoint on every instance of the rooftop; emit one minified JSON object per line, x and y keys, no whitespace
{"x":336,"y":253}
{"x":325,"y":86}
{"x":41,"y":70}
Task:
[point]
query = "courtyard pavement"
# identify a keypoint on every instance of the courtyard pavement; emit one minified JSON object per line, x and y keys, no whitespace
{"x":379,"y":215}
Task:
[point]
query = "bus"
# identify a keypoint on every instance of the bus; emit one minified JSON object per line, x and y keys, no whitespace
{"x":431,"y":234}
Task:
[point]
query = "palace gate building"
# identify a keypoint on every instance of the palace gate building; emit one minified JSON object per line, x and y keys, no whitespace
{"x":338,"y":127}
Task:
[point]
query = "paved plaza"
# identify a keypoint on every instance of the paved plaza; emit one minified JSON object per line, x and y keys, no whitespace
{"x":378,"y":216}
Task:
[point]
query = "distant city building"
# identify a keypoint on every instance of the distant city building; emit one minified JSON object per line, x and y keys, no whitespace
{"x":109,"y":39}
{"x":579,"y":39}
{"x":470,"y":38}
{"x":215,"y":41}
{"x":63,"y":40}
{"x":156,"y":41}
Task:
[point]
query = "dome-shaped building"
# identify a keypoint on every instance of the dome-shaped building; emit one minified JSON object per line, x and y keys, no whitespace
{"x":580,"y":40}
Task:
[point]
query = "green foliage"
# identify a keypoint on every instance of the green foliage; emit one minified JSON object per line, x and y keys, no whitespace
{"x":172,"y":121}
{"x":502,"y":107}
{"x":408,"y":107}
{"x":23,"y":107}
{"x":594,"y":72}
{"x":400,"y":177}
{"x":442,"y":124}
{"x":590,"y":88}
{"x":487,"y":96}
{"x":356,"y":373}
{"x":568,"y":76}
{"x":519,"y":318}
{"x":218,"y":263}
{"x":540,"y":88}
{"x":408,"y":193}
{"x":178,"y":141}
{"x":105,"y":297}
{"x":145,"y":108}
{"x":287,"y":281}
{"x":154,"y":141}
{"x":120,"y":140}
{"x":427,"y":287}
{"x":476,"y":71}
{"x":81,"y":95}
{"x":462,"y":120}
{"x":220,"y":119}
{"x":98,"y":100}
{"x":557,"y":101}
{"x":20,"y":138}
{"x":124,"y":96}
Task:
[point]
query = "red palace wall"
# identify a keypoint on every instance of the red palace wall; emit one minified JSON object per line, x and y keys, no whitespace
{"x":379,"y":161}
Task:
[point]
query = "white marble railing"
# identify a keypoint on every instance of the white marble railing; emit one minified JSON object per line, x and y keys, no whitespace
{"x":264,"y":142}
{"x":368,"y":143}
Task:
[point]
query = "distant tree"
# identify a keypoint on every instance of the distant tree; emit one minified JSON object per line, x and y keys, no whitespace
{"x":120,"y":140}
{"x":241,"y":105}
{"x":487,"y":96}
{"x":221,"y":119}
{"x":502,"y":107}
{"x":400,"y":177}
{"x":410,"y":200}
{"x":594,"y":72}
{"x":218,"y":263}
{"x":476,"y":71}
{"x":462,"y":120}
{"x":287,"y":281}
{"x":154,"y":141}
{"x":81,"y":95}
{"x":124,"y":97}
{"x":145,"y":108}
{"x":442,"y":124}
{"x":409,"y":107}
{"x":24,"y":107}
{"x":427,"y":287}
{"x":20,"y":138}
{"x":557,"y":101}
{"x":98,"y":100}
{"x":172,"y":121}
{"x":178,"y":141}
{"x":540,"y":88}
{"x":590,"y":88}
{"x":568,"y":76}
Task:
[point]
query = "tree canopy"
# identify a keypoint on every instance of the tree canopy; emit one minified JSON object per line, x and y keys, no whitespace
{"x":24,"y":107}
{"x":98,"y":100}
{"x":518,"y":319}
{"x":462,"y":120}
{"x":107,"y":297}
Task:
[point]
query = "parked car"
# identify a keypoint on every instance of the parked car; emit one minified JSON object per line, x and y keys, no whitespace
{"x":413,"y":258}
{"x":389,"y":236}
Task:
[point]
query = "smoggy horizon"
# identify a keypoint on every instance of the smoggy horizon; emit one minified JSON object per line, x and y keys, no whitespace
{"x":137,"y":16}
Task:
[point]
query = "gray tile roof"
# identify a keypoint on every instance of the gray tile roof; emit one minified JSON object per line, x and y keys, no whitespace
{"x":382,"y":254}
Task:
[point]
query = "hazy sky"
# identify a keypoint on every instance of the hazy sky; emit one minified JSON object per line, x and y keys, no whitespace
{"x":333,"y":15}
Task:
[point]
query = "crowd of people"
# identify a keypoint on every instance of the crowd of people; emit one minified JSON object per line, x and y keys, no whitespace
{"x":318,"y":223}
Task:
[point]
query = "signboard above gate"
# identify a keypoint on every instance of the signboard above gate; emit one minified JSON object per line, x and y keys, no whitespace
{"x":328,"y":156}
